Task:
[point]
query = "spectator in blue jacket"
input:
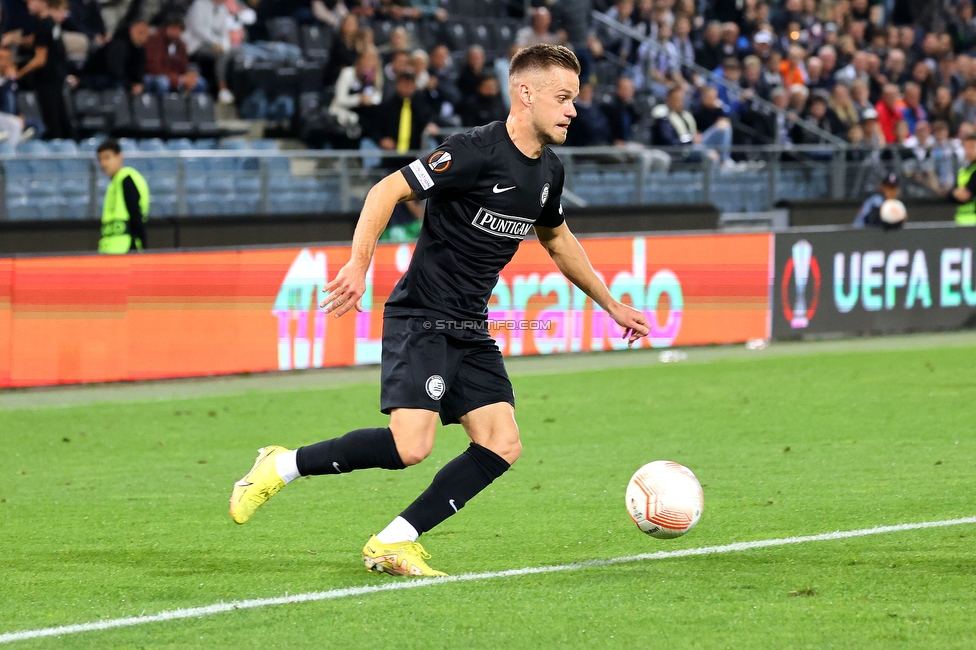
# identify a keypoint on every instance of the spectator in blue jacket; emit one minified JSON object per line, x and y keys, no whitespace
{"x":731,"y":71}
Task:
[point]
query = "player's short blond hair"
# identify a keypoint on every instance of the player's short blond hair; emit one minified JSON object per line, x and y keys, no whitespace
{"x":541,"y":57}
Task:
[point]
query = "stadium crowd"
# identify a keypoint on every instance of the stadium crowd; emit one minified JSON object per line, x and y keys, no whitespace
{"x":870,"y":72}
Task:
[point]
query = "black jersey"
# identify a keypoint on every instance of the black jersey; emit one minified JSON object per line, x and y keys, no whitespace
{"x":483,"y":197}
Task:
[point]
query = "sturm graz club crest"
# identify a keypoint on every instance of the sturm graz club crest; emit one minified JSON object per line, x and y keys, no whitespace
{"x":545,"y":195}
{"x":435,"y":386}
{"x":804,"y":271}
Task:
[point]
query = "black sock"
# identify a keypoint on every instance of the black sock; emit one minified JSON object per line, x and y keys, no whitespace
{"x":359,"y":449}
{"x":456,"y":484}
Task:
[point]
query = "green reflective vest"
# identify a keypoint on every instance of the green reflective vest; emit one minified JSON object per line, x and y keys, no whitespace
{"x":966,"y":213}
{"x":115,"y":216}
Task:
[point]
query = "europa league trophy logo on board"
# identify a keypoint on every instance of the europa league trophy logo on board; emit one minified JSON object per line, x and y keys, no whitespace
{"x":803,"y":266}
{"x":802,"y":253}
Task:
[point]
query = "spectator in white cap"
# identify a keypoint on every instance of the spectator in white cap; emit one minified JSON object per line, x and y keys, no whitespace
{"x":762,"y":44}
{"x":873,"y":134}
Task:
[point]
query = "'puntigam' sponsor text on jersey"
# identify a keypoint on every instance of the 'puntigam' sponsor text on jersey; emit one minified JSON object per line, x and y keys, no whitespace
{"x":502,"y":225}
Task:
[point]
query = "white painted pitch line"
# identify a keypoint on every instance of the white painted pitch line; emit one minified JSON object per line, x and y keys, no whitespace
{"x":218,"y":608}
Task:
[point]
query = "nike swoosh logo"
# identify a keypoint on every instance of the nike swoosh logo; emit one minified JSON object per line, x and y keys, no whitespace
{"x":243,"y":483}
{"x":499,"y":190}
{"x":336,"y":465}
{"x":451,"y":503}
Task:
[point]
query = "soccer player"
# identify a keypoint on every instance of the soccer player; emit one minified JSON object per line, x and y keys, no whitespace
{"x":485,"y":190}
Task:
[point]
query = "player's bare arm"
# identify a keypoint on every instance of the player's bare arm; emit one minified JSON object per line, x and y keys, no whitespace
{"x":346,"y":289}
{"x":570,"y":258}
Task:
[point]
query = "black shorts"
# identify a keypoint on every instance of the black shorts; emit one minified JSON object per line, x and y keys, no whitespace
{"x":448,"y":371}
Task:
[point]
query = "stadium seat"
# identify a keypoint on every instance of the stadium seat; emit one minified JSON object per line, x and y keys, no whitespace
{"x":116,"y":103}
{"x":329,"y":184}
{"x":152,"y":144}
{"x":195,"y":172}
{"x":180,"y":144}
{"x":249,"y":183}
{"x":503,"y":37}
{"x":454,"y":34}
{"x":52,"y":207}
{"x":128,"y":145}
{"x":204,"y":206}
{"x":244,"y":204}
{"x":283,"y":203}
{"x":176,"y":116}
{"x":381,"y":31}
{"x":217,"y":185}
{"x":264,"y":144}
{"x":64,"y":147}
{"x":284,"y":30}
{"x":286,"y":81}
{"x":303,"y":184}
{"x":317,"y":42}
{"x":22,"y":210}
{"x":261,"y":76}
{"x":235,"y":144}
{"x":480,"y":34}
{"x":279,"y":182}
{"x":308,"y":103}
{"x":28,"y":106}
{"x":76,"y":207}
{"x":146,"y":114}
{"x":141,"y":165}
{"x":16,"y":169}
{"x":162,"y":205}
{"x":91,"y":116}
{"x":75,"y":175}
{"x":164,"y":172}
{"x":279,"y":165}
{"x":310,"y":76}
{"x":89,"y":145}
{"x":33,"y":148}
{"x":412,"y":27}
{"x":204,"y":144}
{"x":45,"y":168}
{"x":226,"y":164}
{"x":203,"y":116}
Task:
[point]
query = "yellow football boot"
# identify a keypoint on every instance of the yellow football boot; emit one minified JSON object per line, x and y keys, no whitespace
{"x":401,"y":559}
{"x":257,"y":486}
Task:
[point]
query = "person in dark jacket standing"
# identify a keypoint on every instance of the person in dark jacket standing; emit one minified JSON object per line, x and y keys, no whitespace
{"x":120,"y":63}
{"x":45,"y":72}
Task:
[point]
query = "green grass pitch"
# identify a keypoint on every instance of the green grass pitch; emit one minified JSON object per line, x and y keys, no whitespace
{"x":120,"y":509}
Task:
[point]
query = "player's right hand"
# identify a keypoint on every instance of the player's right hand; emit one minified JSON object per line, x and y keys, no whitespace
{"x":345,"y":290}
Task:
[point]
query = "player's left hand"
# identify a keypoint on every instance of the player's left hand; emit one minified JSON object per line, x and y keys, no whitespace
{"x":632,"y":320}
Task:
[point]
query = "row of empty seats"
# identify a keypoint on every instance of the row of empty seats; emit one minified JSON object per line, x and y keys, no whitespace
{"x":739,"y":191}
{"x":60,"y":179}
